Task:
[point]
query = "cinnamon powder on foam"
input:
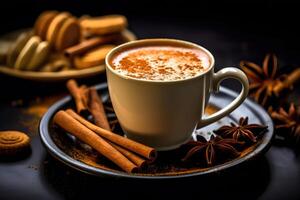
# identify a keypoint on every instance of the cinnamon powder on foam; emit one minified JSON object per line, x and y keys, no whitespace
{"x":161,"y":63}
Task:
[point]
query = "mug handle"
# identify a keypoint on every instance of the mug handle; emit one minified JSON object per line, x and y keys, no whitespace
{"x":217,"y":78}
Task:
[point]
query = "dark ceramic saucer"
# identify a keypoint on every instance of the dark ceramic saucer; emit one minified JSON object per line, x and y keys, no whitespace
{"x":70,"y":151}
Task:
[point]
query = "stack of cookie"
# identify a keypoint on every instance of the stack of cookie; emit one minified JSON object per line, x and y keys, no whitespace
{"x":60,"y":41}
{"x":61,"y":30}
{"x":97,"y":33}
{"x":28,"y":52}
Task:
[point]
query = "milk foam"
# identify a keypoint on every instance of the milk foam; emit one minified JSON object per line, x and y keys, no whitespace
{"x":161,"y":63}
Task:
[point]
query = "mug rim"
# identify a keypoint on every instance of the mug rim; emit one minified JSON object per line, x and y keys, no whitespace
{"x":136,"y":42}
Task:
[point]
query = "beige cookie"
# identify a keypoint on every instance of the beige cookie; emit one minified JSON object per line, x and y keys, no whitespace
{"x":93,"y":58}
{"x":104,"y":25}
{"x":40,"y":55}
{"x":68,"y":35}
{"x":55,"y":26}
{"x":42,"y":23}
{"x":27,"y":52}
{"x":15,"y":48}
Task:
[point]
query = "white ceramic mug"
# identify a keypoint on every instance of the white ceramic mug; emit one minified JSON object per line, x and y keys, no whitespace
{"x":164,"y":114}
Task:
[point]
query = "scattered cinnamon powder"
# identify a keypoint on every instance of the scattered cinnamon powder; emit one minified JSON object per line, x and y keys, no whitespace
{"x":34,"y":110}
{"x":34,"y":167}
{"x":40,"y":105}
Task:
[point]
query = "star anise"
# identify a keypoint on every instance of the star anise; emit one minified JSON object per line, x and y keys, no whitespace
{"x":242,"y":131}
{"x":288,"y":122}
{"x":211,"y":148}
{"x":262,"y":79}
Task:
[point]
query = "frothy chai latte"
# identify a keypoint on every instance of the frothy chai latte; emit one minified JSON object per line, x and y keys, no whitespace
{"x":161,"y":62}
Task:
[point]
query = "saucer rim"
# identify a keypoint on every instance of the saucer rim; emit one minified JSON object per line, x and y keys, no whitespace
{"x":56,"y":152}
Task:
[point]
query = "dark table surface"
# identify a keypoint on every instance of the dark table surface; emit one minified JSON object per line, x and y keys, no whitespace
{"x":276,"y":175}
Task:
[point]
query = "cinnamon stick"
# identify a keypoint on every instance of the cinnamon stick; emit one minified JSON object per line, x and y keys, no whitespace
{"x":74,"y":127}
{"x":140,"y":162}
{"x":287,"y":82}
{"x":84,"y":93}
{"x":97,"y":110}
{"x":89,"y":44}
{"x":78,"y":96}
{"x":131,"y":145}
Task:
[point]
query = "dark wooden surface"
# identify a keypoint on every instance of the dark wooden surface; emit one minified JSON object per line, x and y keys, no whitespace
{"x":38,"y":176}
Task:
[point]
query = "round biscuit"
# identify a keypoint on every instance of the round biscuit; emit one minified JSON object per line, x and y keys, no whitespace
{"x":13,"y":143}
{"x":27,"y":52}
{"x":40,"y":55}
{"x":42,"y":23}
{"x":68,"y":35}
{"x":55,"y":26}
{"x":15,"y":48}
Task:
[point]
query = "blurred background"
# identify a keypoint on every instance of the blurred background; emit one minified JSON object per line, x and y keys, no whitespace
{"x":272,"y":24}
{"x":232,"y":30}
